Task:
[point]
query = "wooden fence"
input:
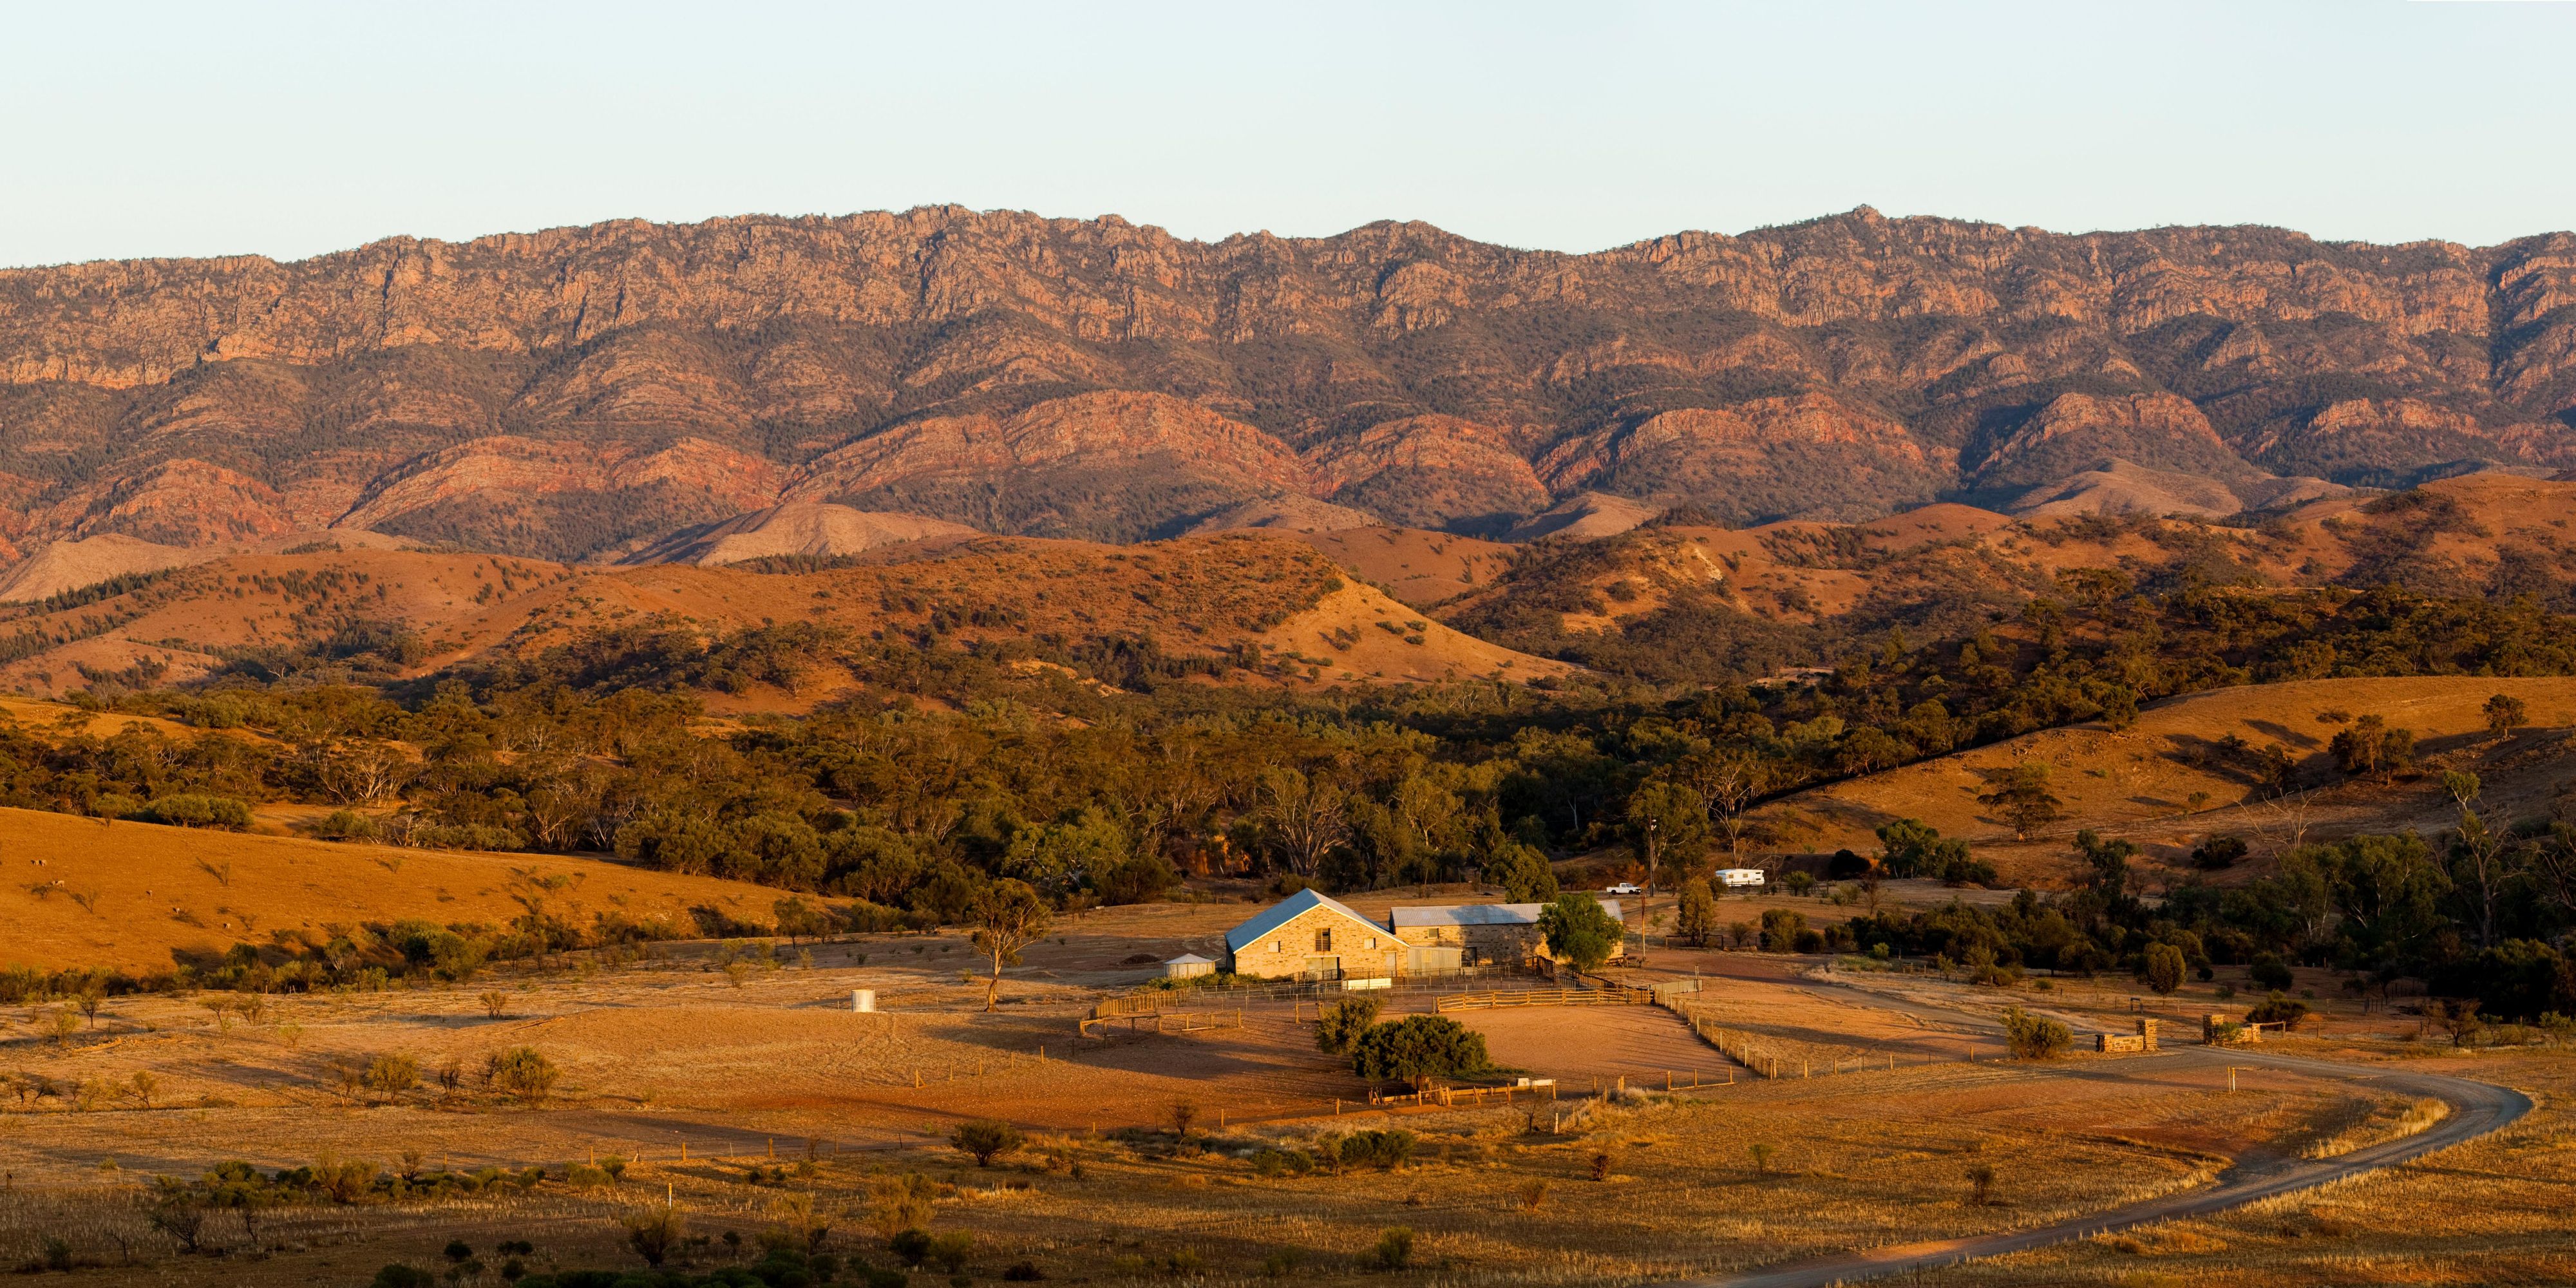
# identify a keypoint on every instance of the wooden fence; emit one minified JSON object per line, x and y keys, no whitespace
{"x":1197,"y":1021}
{"x":1770,"y":1063}
{"x":1446,"y":1097}
{"x":1613,"y":996}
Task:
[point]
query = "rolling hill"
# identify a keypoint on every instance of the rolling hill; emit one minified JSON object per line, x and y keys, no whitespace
{"x":134,"y":897}
{"x":2174,"y":777}
{"x":1257,"y":598}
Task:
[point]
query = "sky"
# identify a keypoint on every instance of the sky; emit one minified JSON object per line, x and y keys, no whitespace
{"x":291,"y":130}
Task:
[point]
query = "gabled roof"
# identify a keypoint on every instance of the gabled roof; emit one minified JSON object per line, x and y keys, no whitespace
{"x":1470,"y":914}
{"x":1285,"y":911}
{"x":1482,"y":914}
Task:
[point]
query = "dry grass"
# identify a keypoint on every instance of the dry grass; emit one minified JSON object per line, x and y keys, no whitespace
{"x":2494,"y":1211}
{"x":668,"y":1051}
{"x":2141,"y":783}
{"x":90,"y":893}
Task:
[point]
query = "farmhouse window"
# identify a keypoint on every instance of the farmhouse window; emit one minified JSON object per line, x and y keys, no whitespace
{"x":1324,"y":941}
{"x":1278,"y":945}
{"x":1372,"y":941}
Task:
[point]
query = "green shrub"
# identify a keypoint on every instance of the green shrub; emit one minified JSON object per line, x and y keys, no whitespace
{"x":1579,"y":931}
{"x":951,"y":1250}
{"x":1419,"y":1048}
{"x":2277,"y":1009}
{"x":911,"y":1247}
{"x":1395,"y":1248}
{"x":2035,"y":1037}
{"x":1342,"y":1023}
{"x":1384,"y":1150}
{"x":346,"y":825}
{"x":191,"y":809}
{"x":986,"y":1139}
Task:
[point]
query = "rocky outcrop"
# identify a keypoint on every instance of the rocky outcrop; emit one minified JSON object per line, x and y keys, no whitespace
{"x":2158,"y":431}
{"x":1810,"y":456}
{"x":564,"y":393}
{"x":1119,"y":465}
{"x":1431,"y":472}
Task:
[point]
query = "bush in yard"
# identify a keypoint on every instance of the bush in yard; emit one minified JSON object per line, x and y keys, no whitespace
{"x":656,"y":1234}
{"x":986,"y":1139}
{"x":2271,"y":972}
{"x":911,"y":1247}
{"x":524,"y":1073}
{"x":2035,"y":1037}
{"x":1395,"y":1248}
{"x":951,"y":1251}
{"x":2277,"y":1009}
{"x":1419,"y":1048}
{"x":1281,"y":1162}
{"x":1342,"y":1023}
{"x":1384,"y":1150}
{"x":2164,"y":967}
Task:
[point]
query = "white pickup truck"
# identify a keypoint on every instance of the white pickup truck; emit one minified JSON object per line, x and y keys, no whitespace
{"x":1626,"y":887}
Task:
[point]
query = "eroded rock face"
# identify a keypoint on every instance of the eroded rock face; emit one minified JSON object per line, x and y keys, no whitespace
{"x":567,"y":392}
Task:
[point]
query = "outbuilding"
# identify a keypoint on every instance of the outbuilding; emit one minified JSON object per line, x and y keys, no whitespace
{"x":1188,"y":966}
{"x":1481,"y":933}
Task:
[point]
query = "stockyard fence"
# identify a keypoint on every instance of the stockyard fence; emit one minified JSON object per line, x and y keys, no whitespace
{"x":1768,"y":1062}
{"x":1496,"y":999}
{"x":1196,"y":1020}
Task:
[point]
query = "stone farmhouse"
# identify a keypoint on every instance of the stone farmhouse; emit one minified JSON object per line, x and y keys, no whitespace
{"x":1313,"y":936}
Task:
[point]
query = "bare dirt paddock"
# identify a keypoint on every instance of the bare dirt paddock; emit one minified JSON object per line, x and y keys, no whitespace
{"x":780,"y":1094}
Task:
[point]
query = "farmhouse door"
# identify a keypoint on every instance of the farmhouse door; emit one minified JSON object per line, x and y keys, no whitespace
{"x":1323,"y":968}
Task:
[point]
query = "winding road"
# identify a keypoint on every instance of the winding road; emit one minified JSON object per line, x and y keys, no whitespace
{"x":2477,"y":1108}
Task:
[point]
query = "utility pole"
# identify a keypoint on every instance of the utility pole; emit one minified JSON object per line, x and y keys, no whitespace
{"x":1646,"y":904}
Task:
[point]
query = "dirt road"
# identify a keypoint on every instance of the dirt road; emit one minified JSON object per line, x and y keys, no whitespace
{"x":2477,"y":1108}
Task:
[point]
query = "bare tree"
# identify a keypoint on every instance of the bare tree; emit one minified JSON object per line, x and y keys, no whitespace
{"x":1307,"y":818}
{"x":2288,"y":816}
{"x":1727,"y":782}
{"x":361,"y":771}
{"x":2480,"y":856}
{"x":1008,"y":916}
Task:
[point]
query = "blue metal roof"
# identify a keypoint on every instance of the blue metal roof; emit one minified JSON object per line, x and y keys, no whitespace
{"x":1285,"y":911}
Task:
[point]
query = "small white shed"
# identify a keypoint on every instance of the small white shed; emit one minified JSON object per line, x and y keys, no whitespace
{"x":1187,"y":965}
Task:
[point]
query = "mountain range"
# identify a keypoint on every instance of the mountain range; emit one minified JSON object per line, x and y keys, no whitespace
{"x":589,"y":393}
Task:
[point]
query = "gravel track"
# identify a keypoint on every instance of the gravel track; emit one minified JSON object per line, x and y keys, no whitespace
{"x":2477,"y":1108}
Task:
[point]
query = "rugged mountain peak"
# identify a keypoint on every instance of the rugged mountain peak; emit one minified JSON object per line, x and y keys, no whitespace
{"x":572,"y":391}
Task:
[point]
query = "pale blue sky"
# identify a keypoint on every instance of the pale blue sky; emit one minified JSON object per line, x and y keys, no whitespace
{"x":289,"y":130}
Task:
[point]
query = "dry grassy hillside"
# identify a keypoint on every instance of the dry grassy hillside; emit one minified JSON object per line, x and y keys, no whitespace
{"x":408,"y":612}
{"x":2171,"y":779}
{"x":1358,"y":633}
{"x":1941,"y":568}
{"x":84,"y":892}
{"x":1421,"y":568}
